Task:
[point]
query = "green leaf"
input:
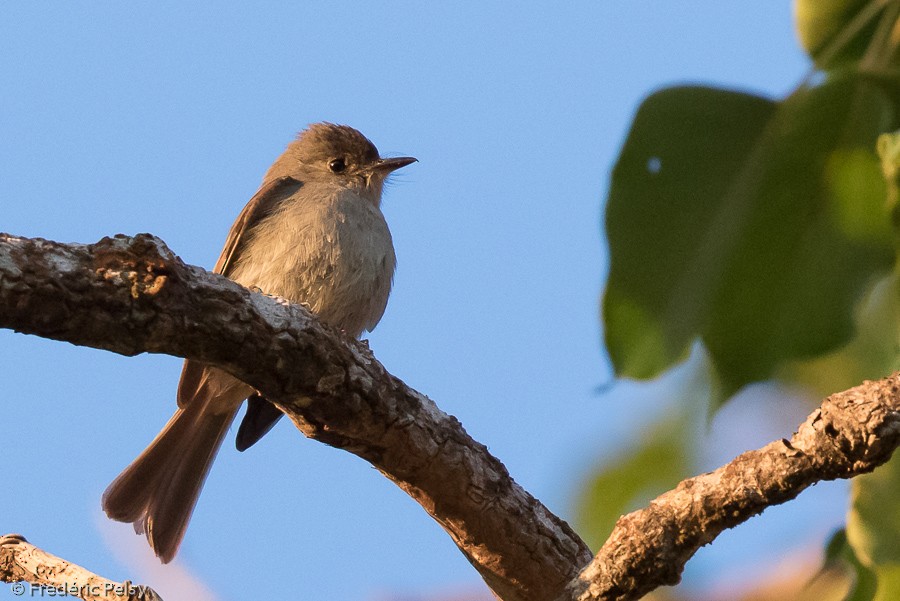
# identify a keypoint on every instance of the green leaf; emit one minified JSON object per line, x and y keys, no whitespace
{"x":875,"y":347}
{"x":836,"y":31}
{"x":753,"y":225}
{"x":684,"y":148}
{"x":661,"y":460}
{"x":889,"y":153}
{"x":873,"y":524}
{"x":865,"y":581}
{"x":888,"y":582}
{"x":873,"y":352}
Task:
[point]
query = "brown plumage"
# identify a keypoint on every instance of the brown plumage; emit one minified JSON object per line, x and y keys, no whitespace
{"x":313,"y":233}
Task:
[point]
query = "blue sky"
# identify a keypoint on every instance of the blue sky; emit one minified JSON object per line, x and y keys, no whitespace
{"x":162,"y":117}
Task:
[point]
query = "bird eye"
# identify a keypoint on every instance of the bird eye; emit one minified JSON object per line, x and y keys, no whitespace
{"x":337,"y":165}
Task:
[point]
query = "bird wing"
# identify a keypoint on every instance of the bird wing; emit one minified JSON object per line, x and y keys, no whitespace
{"x":260,"y":206}
{"x":266,"y":198}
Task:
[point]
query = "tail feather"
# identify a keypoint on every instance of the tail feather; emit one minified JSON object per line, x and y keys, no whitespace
{"x":159,"y":490}
{"x":127,"y":498}
{"x":261,"y":416}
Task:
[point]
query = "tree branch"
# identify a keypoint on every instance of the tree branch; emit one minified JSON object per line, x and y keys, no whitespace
{"x":132,"y":294}
{"x":851,"y":433}
{"x":20,"y":561}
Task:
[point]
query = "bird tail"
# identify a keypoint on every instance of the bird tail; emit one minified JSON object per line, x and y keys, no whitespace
{"x":159,"y":490}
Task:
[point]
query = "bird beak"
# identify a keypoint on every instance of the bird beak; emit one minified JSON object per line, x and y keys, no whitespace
{"x":386,"y":166}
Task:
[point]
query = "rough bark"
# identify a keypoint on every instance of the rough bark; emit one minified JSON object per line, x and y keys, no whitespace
{"x":36,"y":573}
{"x":132,"y":294}
{"x":851,"y":433}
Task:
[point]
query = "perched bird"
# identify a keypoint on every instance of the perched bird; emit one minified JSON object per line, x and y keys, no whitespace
{"x":314,"y":234}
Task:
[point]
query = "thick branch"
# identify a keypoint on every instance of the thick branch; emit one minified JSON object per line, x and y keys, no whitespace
{"x":132,"y":295}
{"x":851,"y":433}
{"x":48,"y":575}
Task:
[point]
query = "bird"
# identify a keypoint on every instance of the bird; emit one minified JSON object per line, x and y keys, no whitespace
{"x":313,"y":234}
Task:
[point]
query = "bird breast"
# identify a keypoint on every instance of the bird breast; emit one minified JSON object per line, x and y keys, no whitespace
{"x":333,"y":254}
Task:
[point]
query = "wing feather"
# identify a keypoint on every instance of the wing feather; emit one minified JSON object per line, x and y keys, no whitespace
{"x":266,"y":199}
{"x":260,"y":206}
